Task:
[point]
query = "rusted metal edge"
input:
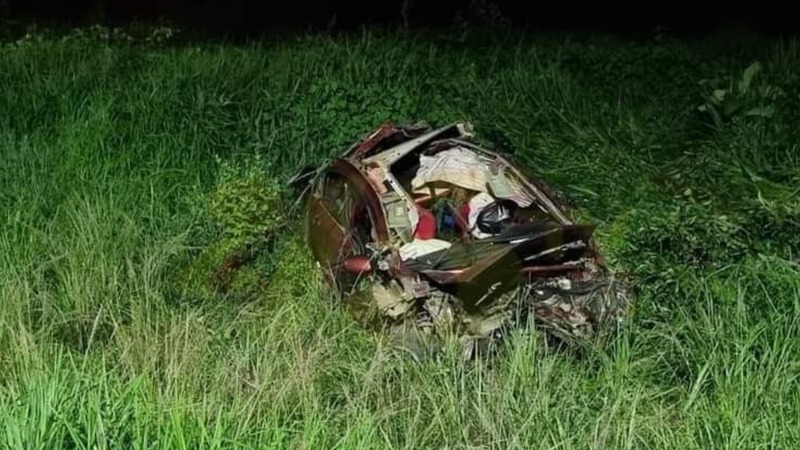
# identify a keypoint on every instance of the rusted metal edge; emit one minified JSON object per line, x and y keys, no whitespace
{"x":385,"y":130}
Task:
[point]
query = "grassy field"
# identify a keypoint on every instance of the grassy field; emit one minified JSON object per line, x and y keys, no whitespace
{"x":127,"y":167}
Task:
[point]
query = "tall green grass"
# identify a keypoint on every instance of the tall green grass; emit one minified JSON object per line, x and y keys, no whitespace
{"x":109,"y":154}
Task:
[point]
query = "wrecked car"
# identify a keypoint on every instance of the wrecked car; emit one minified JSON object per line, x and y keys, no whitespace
{"x":430,"y":230}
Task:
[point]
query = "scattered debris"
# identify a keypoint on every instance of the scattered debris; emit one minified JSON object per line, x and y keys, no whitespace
{"x":448,"y":235}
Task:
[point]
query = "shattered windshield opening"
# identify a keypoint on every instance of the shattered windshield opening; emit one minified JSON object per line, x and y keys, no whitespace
{"x":463,"y":197}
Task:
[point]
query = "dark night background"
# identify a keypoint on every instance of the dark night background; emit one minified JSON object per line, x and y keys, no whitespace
{"x":242,"y":18}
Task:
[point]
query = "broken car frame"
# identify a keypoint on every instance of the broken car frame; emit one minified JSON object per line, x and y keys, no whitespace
{"x":432,"y":231}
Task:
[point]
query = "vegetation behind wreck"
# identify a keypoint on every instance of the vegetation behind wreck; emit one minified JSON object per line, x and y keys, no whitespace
{"x":135,"y":164}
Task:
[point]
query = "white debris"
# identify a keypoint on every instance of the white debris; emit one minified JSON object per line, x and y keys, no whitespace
{"x":420,"y":247}
{"x":457,"y":166}
{"x":463,"y":167}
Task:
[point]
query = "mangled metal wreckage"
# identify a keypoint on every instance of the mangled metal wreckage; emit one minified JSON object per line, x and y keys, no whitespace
{"x":431,"y":231}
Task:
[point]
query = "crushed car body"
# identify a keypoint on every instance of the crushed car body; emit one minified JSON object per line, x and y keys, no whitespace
{"x":430,"y":230}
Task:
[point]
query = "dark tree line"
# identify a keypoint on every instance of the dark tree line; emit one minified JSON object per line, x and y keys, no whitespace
{"x":246,"y":15}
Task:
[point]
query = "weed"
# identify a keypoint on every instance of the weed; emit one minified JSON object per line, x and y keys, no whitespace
{"x":134,"y":173}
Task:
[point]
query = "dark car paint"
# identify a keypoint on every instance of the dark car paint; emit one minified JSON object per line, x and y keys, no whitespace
{"x":328,"y":237}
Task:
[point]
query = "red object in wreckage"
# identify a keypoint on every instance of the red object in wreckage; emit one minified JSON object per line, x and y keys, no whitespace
{"x":426,"y":227}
